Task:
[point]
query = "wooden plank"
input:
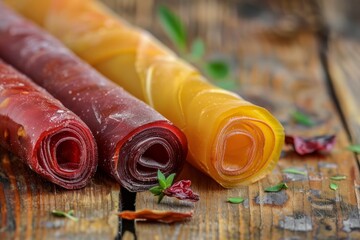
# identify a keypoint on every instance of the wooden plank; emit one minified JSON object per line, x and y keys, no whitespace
{"x":281,"y":71}
{"x":278,"y":67}
{"x":26,"y":202}
{"x":343,"y":62}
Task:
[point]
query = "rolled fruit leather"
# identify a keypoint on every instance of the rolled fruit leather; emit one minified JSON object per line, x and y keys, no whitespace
{"x":49,"y":138}
{"x":134,"y":140}
{"x":230,"y":139}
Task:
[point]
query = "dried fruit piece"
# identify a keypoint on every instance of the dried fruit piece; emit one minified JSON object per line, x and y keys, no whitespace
{"x":181,"y":190}
{"x":157,"y":216}
{"x":303,"y":146}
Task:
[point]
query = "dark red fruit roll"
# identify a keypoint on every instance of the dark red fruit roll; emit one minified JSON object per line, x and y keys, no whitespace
{"x":134,"y":141}
{"x":49,"y":138}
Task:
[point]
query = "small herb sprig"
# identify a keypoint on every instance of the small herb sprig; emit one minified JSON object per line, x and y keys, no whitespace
{"x":235,"y":200}
{"x":164,"y":183}
{"x":354,"y":148}
{"x":338,"y":177}
{"x":69,"y":214}
{"x":294,"y":171}
{"x":277,"y":187}
{"x":216,"y":69}
{"x":180,"y":190}
{"x":334,"y":186}
{"x":302,"y":118}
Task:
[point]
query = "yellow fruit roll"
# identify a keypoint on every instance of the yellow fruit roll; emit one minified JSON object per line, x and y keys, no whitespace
{"x":230,"y":139}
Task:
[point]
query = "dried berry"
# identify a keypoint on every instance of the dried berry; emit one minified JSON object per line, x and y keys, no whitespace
{"x":304,"y":146}
{"x":181,"y":190}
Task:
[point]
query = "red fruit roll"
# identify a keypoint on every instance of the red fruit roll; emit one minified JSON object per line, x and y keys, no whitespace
{"x":49,"y":138}
{"x":134,"y":141}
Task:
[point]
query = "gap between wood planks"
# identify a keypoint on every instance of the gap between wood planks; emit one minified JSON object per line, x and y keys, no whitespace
{"x":323,"y":39}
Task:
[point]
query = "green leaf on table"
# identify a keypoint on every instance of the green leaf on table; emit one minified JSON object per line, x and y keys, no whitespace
{"x":161,"y":179}
{"x":160,"y":175}
{"x":170,"y":180}
{"x":338,"y":177}
{"x":354,"y":148}
{"x":157,"y":190}
{"x":294,"y":171}
{"x":235,"y":200}
{"x":334,"y":186}
{"x":302,"y":118}
{"x":69,"y":214}
{"x":276,"y":188}
{"x":173,"y":27}
{"x":217,"y":69}
{"x":197,"y":49}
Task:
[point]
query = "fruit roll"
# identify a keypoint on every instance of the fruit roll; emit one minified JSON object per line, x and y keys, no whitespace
{"x":230,"y":139}
{"x":134,"y":140}
{"x":48,"y":137}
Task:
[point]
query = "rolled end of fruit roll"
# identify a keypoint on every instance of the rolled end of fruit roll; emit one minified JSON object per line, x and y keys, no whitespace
{"x":154,"y":146}
{"x":245,"y":146}
{"x":47,"y":137}
{"x":230,"y":139}
{"x":65,"y":154}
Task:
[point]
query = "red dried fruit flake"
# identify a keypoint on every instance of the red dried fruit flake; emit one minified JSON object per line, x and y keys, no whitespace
{"x":156,"y":216}
{"x":303,"y":146}
{"x":181,"y":190}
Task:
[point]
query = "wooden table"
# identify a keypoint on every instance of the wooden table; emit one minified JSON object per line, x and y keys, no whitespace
{"x":285,"y":55}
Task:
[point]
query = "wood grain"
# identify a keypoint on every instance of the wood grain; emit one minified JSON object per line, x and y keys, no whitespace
{"x":27,"y":201}
{"x":274,"y":49}
{"x":343,"y":62}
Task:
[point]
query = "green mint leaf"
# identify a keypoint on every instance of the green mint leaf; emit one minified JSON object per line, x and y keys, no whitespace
{"x":157,"y":190}
{"x":71,"y":212}
{"x":235,"y":200}
{"x":338,"y":177}
{"x":354,"y":148}
{"x":161,"y":196}
{"x":68,"y":214}
{"x":160,"y":176}
{"x":277,"y":187}
{"x":173,"y":27}
{"x":217,"y":69}
{"x":294,"y":171}
{"x":334,"y":186}
{"x":161,"y":179}
{"x":162,"y":184}
{"x":170,"y":179}
{"x":197,"y":49}
{"x":302,"y":118}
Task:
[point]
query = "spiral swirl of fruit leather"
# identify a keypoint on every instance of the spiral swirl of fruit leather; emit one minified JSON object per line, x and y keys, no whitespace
{"x":230,"y":139}
{"x":49,"y":138}
{"x":134,"y":140}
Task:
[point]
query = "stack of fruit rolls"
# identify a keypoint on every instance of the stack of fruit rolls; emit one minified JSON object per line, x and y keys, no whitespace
{"x":230,"y":139}
{"x":134,"y":140}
